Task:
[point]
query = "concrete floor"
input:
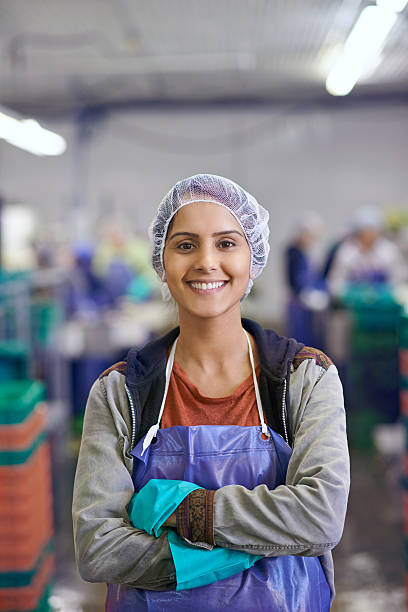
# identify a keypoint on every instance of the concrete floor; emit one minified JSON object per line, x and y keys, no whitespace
{"x":369,"y":561}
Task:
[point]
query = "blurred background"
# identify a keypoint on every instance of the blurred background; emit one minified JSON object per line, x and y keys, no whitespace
{"x":103,"y":107}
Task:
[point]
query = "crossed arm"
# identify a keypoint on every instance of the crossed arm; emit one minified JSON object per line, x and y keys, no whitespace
{"x":303,"y":517}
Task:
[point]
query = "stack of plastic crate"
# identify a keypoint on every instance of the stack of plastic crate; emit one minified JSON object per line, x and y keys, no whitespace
{"x":373,"y":379}
{"x":15,"y":288}
{"x":403,"y":361}
{"x":26,"y":551}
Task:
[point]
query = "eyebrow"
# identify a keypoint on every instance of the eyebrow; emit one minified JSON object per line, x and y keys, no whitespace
{"x":192,"y":235}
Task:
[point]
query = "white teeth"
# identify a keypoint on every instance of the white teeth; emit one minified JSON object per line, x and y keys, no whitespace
{"x":205,"y":286}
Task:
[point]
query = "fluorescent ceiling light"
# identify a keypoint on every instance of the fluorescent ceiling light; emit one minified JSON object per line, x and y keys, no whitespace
{"x":393,"y":5}
{"x":362,"y":48}
{"x":28,"y":134}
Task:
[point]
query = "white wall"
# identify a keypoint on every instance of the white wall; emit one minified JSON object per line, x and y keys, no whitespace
{"x":328,"y":160}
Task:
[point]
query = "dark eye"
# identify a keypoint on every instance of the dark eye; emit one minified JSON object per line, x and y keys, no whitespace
{"x":226,"y":244}
{"x":185,"y":246}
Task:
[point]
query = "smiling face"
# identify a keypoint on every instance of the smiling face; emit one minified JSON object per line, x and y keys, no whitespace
{"x":207,"y":260}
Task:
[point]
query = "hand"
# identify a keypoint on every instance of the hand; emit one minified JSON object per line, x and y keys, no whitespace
{"x":171,"y":521}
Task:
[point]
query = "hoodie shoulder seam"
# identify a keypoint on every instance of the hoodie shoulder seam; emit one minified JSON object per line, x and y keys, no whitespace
{"x":120,"y":367}
{"x":308,"y":352}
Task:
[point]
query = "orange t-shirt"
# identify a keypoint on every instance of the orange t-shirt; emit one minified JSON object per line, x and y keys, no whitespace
{"x":186,"y":406}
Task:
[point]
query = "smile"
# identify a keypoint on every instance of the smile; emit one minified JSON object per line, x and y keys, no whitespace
{"x":206,"y":288}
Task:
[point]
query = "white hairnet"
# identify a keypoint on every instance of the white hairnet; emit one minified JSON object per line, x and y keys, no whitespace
{"x":366,"y":217}
{"x":251,"y":216}
{"x":307,"y":221}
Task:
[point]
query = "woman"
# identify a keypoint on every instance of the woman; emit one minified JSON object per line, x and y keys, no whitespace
{"x":248,"y":425}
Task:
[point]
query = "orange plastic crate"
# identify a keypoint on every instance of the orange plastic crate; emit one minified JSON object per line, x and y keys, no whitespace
{"x":24,"y":542}
{"x":22,"y":529}
{"x":23,"y":557}
{"x":21,"y":496}
{"x":26,"y":513}
{"x":25,"y":484}
{"x":16,"y":599}
{"x":404,"y":402}
{"x":405,"y":511}
{"x":403,"y":362}
{"x":24,"y":488}
{"x":17,"y":502}
{"x":20,"y":550}
{"x":19,"y":476}
{"x":22,"y":435}
{"x":40,"y":517}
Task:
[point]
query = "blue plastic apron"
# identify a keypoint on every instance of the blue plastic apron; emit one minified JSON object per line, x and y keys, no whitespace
{"x":212,"y":457}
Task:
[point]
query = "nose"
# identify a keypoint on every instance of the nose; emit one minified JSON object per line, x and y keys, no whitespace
{"x":206,"y":259}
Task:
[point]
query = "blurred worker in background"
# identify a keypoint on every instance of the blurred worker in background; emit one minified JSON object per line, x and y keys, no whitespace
{"x":308,"y":294}
{"x":331,"y":254}
{"x":122,"y":262}
{"x":365,"y":256}
{"x":85,"y":295}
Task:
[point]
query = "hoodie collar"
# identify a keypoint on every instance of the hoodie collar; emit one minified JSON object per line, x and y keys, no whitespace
{"x":276,"y":354}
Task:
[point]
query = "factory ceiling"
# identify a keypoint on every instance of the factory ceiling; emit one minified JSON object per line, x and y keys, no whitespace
{"x":58,"y":56}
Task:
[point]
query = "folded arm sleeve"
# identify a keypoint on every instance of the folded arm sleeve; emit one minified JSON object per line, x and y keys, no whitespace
{"x":306,"y":515}
{"x":195,"y":517}
{"x":108,"y":548}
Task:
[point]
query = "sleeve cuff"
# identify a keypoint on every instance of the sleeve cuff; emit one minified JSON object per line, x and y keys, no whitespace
{"x":194,"y":515}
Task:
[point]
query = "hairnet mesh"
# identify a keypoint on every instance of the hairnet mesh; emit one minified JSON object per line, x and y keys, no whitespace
{"x":251,"y":216}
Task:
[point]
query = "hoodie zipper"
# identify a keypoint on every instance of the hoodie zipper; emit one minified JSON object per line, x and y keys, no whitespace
{"x":284,"y":411}
{"x":133,"y":415}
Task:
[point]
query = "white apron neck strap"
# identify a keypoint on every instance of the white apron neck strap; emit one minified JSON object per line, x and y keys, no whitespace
{"x":151,"y":434}
{"x":257,"y":394}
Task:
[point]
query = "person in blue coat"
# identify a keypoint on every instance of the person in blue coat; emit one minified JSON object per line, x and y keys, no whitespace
{"x":307,"y":287}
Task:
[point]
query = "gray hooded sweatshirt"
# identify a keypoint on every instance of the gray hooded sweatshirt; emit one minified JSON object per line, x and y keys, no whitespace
{"x":303,"y":401}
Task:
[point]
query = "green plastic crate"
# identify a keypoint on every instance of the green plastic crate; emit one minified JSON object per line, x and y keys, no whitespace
{"x":43,"y":604}
{"x":377,"y":318}
{"x":46,"y":317}
{"x":360,"y":428}
{"x":25,"y":578}
{"x":373,"y":306}
{"x":77,"y":425}
{"x":17,"y":457}
{"x":18,"y":398}
{"x":365,"y":341}
{"x":13,"y":360}
{"x":403,"y":331}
